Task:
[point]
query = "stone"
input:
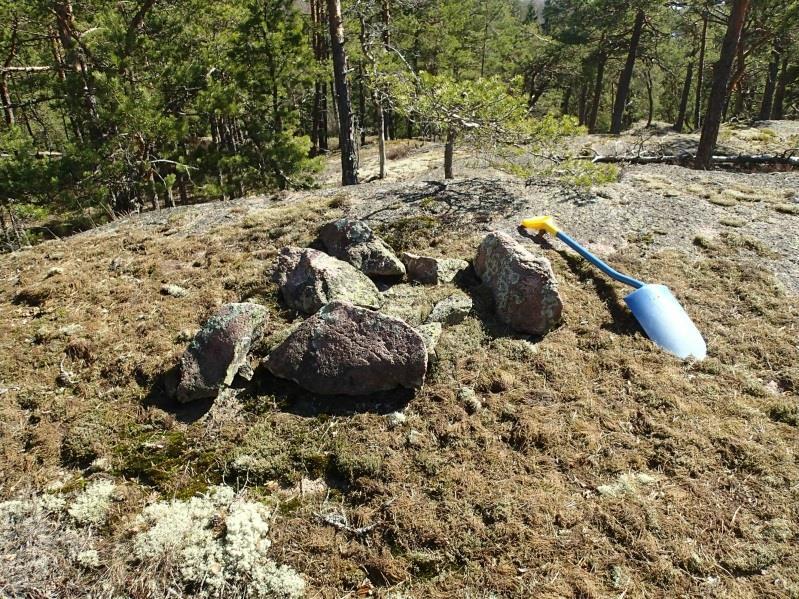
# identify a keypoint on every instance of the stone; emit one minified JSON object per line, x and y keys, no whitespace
{"x":173,"y":290}
{"x":451,"y":310}
{"x":354,"y":242}
{"x":309,"y":279}
{"x":219,"y":350}
{"x":431,"y":333}
{"x":410,"y":303}
{"x":522,"y":284}
{"x":347,"y":350}
{"x":469,"y":399}
{"x":432,"y":271}
{"x":396,"y":419}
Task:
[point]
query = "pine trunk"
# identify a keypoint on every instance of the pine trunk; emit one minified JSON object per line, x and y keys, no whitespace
{"x":778,"y":109}
{"x":581,"y":104}
{"x":597,"y":97}
{"x":771,"y":85}
{"x":718,"y":91}
{"x":627,"y":75}
{"x":5,"y":96}
{"x":566,"y":100}
{"x":686,"y":91}
{"x":700,"y":75}
{"x":449,"y":152}
{"x":347,"y":142}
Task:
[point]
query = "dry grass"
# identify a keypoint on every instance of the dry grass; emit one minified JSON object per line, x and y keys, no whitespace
{"x":503,"y":500}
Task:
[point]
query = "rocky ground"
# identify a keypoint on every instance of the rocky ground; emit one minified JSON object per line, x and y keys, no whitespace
{"x":581,"y":462}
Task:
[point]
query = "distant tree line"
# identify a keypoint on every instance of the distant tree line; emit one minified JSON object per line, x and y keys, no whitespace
{"x":115,"y":107}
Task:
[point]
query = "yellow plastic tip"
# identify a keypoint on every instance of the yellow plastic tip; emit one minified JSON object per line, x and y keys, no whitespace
{"x":541,"y":223}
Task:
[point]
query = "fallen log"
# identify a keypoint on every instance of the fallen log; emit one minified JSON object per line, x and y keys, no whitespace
{"x":785,"y":159}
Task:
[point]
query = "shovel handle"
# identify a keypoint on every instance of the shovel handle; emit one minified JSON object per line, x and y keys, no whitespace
{"x":547,"y":223}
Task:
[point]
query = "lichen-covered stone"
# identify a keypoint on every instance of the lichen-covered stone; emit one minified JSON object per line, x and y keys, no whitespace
{"x":218,"y":350}
{"x":451,"y":310}
{"x":432,"y":271}
{"x":354,"y":242}
{"x":523,"y":285}
{"x":410,"y":303}
{"x":347,"y":350}
{"x":309,"y":279}
{"x":431,"y":333}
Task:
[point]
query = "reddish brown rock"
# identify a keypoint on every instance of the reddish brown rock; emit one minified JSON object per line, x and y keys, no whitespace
{"x":347,"y":350}
{"x":523,"y":285}
{"x":218,"y":350}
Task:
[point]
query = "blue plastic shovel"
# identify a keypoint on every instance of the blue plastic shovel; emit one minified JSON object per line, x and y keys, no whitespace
{"x":654,"y":306}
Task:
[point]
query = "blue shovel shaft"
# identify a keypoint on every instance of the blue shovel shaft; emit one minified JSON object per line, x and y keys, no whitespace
{"x":655,"y":308}
{"x":611,"y":272}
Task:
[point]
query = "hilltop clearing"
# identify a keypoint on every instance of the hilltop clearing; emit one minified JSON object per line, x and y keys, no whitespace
{"x":584,"y":462}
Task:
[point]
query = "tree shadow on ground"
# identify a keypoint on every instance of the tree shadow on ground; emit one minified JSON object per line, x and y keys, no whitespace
{"x":473,"y":200}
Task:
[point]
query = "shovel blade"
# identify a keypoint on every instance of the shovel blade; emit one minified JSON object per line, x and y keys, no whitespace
{"x":665,"y":321}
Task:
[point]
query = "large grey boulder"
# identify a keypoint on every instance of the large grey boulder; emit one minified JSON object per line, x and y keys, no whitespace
{"x":218,"y":350}
{"x":523,"y":285}
{"x":432,"y":271}
{"x":309,"y":279}
{"x":347,"y":350}
{"x":354,"y":242}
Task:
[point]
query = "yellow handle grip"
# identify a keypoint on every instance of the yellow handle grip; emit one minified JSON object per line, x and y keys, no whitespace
{"x":541,"y":223}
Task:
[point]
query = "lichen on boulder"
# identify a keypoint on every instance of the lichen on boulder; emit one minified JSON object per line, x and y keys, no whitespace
{"x":432,"y":271}
{"x":522,"y":284}
{"x":452,"y":309}
{"x":218,"y":350}
{"x":354,"y":242}
{"x":309,"y":279}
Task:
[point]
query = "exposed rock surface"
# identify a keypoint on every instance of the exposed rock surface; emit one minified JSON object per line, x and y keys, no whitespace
{"x":218,"y":350}
{"x":354,"y":241}
{"x":309,"y":279}
{"x":432,"y":271}
{"x":523,"y":285}
{"x":451,"y":310}
{"x":347,"y":350}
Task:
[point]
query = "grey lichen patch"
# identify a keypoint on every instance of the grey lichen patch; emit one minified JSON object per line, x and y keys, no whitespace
{"x":629,"y":483}
{"x":431,"y":333}
{"x":411,"y":303}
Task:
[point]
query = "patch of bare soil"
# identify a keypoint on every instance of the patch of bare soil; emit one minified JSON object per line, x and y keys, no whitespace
{"x":591,"y":464}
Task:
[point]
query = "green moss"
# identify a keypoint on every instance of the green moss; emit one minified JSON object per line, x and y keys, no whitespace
{"x":281,"y":448}
{"x":585,"y":174}
{"x":153,"y":458}
{"x":354,"y":460}
{"x":784,"y":413}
